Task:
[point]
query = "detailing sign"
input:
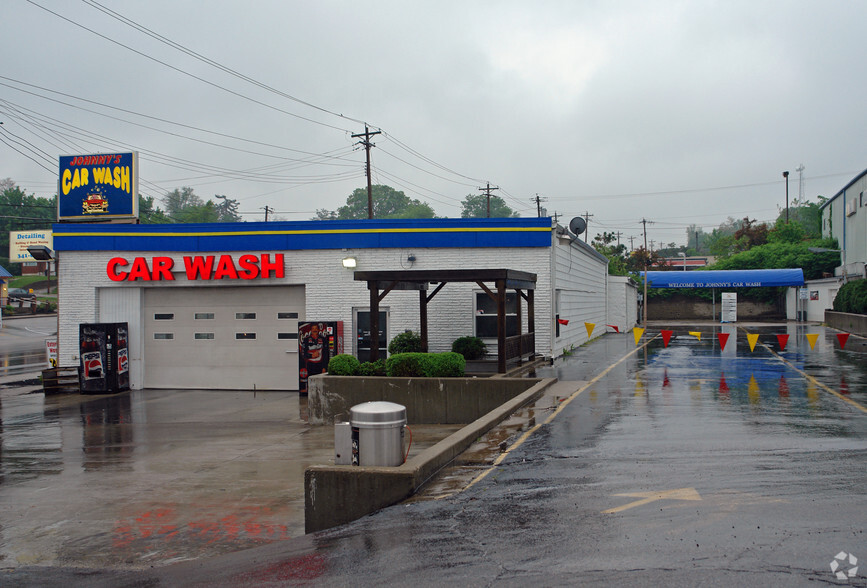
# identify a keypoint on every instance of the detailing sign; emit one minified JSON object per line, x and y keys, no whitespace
{"x":197,"y":267}
{"x":98,"y":186}
{"x":19,"y":241}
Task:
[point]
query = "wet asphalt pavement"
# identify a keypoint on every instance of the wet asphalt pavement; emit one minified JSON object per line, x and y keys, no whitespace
{"x":679,"y":466}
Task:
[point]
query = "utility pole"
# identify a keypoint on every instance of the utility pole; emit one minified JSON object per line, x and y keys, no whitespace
{"x":556,"y":216}
{"x":367,"y":145}
{"x":618,"y":233}
{"x":646,"y":259}
{"x":631,"y":242}
{"x":587,"y":216}
{"x":538,"y":202}
{"x":651,"y":244}
{"x":267,"y":209}
{"x":488,"y":194}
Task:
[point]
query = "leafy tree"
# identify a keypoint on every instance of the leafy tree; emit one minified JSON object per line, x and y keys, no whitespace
{"x":227,"y":210}
{"x":806,"y":214}
{"x":616,"y":254}
{"x":476,"y":206}
{"x":641,"y":258}
{"x":20,"y":211}
{"x":787,"y":232}
{"x":179,"y":201}
{"x":150,"y":214}
{"x":184,"y":206}
{"x":387,"y":203}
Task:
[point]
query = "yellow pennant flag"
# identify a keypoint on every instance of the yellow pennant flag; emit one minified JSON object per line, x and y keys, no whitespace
{"x":637,"y":332}
{"x":753,"y":387}
{"x":812,"y":338}
{"x":589,"y":327}
{"x":753,"y":339}
{"x":696,"y":334}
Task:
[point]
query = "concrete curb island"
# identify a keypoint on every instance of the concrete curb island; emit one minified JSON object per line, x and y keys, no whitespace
{"x":334,"y":495}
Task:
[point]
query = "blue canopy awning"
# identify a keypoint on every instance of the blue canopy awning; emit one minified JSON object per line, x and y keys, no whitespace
{"x":726,"y":278}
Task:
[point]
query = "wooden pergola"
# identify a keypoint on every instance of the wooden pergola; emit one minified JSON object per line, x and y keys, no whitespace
{"x":509,"y":349}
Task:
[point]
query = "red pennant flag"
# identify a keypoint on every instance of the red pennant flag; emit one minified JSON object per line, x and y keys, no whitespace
{"x":666,"y":336}
{"x":842,"y":338}
{"x":563,"y":321}
{"x":782,"y":340}
{"x":616,"y":330}
{"x":723,"y":338}
{"x":784,"y":387}
{"x":723,"y":387}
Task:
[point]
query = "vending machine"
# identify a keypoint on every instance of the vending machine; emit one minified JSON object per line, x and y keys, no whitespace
{"x":318,"y":342}
{"x":103,"y":358}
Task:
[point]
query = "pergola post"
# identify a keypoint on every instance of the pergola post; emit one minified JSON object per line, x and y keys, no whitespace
{"x":422,"y":313}
{"x":501,"y":326}
{"x":373,"y":285}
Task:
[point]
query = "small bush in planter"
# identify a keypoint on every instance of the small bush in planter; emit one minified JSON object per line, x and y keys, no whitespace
{"x":406,"y":365}
{"x":470,"y":347}
{"x":343,"y":365}
{"x":425,"y":365}
{"x":448,"y":365}
{"x":406,"y":342}
{"x":372,"y":368}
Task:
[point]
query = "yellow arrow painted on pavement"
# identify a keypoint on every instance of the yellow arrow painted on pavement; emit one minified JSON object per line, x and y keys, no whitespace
{"x":648,"y":497}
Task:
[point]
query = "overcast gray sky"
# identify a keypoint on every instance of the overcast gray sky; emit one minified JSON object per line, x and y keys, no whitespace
{"x":677,"y":112}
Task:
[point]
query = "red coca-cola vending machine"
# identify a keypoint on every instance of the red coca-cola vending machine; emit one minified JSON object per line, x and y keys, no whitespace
{"x":104,"y":358}
{"x":318,"y":342}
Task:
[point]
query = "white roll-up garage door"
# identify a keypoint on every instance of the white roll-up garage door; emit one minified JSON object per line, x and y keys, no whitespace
{"x":227,"y":338}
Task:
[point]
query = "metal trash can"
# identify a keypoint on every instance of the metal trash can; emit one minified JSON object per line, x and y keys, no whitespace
{"x":377,"y":433}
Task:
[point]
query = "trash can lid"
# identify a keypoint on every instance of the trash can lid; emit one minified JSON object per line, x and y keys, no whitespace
{"x":378,"y":412}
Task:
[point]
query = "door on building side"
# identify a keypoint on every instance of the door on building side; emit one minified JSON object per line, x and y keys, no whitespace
{"x":362,"y":334}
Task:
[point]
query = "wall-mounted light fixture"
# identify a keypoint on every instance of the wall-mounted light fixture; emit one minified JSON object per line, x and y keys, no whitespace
{"x":411,"y":258}
{"x":349,"y":262}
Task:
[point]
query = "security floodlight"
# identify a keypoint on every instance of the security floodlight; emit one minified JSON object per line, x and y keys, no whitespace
{"x":40,"y":252}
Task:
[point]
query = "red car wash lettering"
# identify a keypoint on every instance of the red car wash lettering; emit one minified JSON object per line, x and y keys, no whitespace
{"x":198,"y":267}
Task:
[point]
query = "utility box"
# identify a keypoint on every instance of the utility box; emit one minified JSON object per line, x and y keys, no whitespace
{"x":377,"y":431}
{"x":342,"y":443}
{"x":729,"y":312}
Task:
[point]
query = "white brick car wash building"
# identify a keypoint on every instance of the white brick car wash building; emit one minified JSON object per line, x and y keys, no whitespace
{"x":217,"y":306}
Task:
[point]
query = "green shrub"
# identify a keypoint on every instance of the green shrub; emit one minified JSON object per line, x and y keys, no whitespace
{"x":425,"y":365}
{"x":372,"y":368}
{"x":470,"y":347}
{"x":343,"y":365}
{"x":852,"y":297}
{"x":406,"y":342}
{"x":448,"y":365}
{"x":406,"y":365}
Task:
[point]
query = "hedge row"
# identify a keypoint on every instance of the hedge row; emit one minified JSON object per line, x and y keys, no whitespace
{"x":852,"y":297}
{"x":406,"y":365}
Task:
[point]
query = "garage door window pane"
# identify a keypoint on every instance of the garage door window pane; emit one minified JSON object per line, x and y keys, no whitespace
{"x":204,"y":316}
{"x":164,"y":316}
{"x":164,"y":336}
{"x":287,"y":315}
{"x":245,"y":316}
{"x":245,"y":336}
{"x":204,"y":335}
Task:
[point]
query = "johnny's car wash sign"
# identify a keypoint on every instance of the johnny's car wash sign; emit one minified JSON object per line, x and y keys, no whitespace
{"x":198,"y":267}
{"x":98,"y":187}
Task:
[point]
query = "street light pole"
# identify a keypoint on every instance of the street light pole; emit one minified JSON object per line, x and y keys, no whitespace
{"x":786,"y":175}
{"x":683,"y":255}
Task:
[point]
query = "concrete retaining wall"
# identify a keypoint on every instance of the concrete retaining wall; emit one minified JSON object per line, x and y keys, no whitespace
{"x":427,"y":400}
{"x":334,"y":495}
{"x":844,"y":321}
